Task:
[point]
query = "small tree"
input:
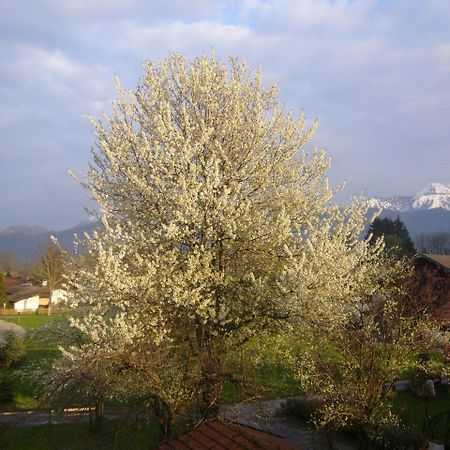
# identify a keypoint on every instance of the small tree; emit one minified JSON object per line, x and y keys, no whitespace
{"x":354,"y":367}
{"x":395,"y":234}
{"x":110,"y":368}
{"x":10,"y":263}
{"x":51,"y":267}
{"x":12,"y":350}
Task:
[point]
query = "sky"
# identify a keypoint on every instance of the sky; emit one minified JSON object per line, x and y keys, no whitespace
{"x":375,"y":73}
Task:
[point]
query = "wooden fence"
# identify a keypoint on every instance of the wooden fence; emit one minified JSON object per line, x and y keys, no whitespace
{"x":39,"y":311}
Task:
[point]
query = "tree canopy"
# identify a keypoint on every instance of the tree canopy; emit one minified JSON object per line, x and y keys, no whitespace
{"x":395,"y":234}
{"x":217,"y":225}
{"x":50,"y":267}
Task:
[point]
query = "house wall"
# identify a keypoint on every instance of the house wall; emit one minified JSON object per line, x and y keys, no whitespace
{"x":31,"y":303}
{"x":58,"y":296}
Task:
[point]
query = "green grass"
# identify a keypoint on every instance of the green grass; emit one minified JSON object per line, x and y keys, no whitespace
{"x":31,"y":321}
{"x":412,"y":409}
{"x":113,"y":435}
{"x":25,"y":388}
{"x":265,"y":378}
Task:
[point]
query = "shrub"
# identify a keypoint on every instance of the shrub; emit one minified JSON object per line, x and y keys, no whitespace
{"x":12,"y":350}
{"x":6,"y":389}
{"x":303,"y":407}
{"x":394,"y":437}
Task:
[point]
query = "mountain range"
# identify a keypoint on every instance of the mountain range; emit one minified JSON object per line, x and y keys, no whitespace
{"x":426,"y":212}
{"x":30,"y":242}
{"x":432,"y":196}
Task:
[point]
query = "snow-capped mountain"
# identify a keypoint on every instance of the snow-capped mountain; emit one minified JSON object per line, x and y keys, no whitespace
{"x":432,"y":196}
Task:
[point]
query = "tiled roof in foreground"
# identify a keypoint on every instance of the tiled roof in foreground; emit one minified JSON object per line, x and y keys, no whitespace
{"x":222,"y":434}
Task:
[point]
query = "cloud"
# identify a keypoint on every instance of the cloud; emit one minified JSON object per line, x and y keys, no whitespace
{"x":375,"y":73}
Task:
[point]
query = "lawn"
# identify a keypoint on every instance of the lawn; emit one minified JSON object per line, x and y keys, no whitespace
{"x":113,"y":435}
{"x":412,"y":410}
{"x":31,"y":321}
{"x":24,"y":392}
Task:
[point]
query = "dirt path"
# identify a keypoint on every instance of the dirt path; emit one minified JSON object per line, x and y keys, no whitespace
{"x":267,"y":416}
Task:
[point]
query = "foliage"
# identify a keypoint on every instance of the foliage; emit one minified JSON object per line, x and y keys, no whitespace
{"x":10,"y":263}
{"x":51,"y":266}
{"x":393,"y":436}
{"x":437,"y":242}
{"x":369,"y":355}
{"x":427,"y":288}
{"x":6,"y":388}
{"x":3,"y":296}
{"x":216,"y":225}
{"x":396,"y":235}
{"x":12,"y":350}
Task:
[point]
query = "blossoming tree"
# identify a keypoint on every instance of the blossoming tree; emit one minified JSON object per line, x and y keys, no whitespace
{"x":216,"y":225}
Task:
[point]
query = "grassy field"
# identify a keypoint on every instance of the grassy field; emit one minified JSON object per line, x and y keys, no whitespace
{"x":113,"y":435}
{"x":412,"y":410}
{"x":31,"y":321}
{"x":24,"y":389}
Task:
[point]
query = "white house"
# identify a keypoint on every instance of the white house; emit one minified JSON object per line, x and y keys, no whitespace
{"x":27,"y":304}
{"x":58,"y":296}
{"x":30,"y":298}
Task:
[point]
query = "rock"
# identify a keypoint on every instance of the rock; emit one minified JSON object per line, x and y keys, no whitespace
{"x":6,"y":327}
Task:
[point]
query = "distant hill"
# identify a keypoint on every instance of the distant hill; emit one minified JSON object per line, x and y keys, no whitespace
{"x":25,"y":229}
{"x":426,"y":212}
{"x":29,"y":242}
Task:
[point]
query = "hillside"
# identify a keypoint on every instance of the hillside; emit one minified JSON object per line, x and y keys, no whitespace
{"x":28,"y":244}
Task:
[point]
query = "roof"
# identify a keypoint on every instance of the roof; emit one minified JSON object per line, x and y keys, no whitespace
{"x":9,"y":282}
{"x":221,"y":434}
{"x":17,"y":293}
{"x":440,"y":260}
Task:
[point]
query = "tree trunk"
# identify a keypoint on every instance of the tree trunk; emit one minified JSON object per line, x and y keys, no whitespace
{"x":211,"y":385}
{"x":99,"y":412}
{"x":164,"y":418}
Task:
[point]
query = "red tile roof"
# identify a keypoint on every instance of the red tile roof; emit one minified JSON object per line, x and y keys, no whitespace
{"x":222,"y":434}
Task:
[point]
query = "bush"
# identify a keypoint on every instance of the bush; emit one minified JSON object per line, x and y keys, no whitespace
{"x":6,"y":389}
{"x":303,"y":407}
{"x":12,"y":350}
{"x":394,"y":437}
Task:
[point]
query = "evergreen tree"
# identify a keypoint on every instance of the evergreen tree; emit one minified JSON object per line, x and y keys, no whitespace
{"x":12,"y":350}
{"x":396,"y":236}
